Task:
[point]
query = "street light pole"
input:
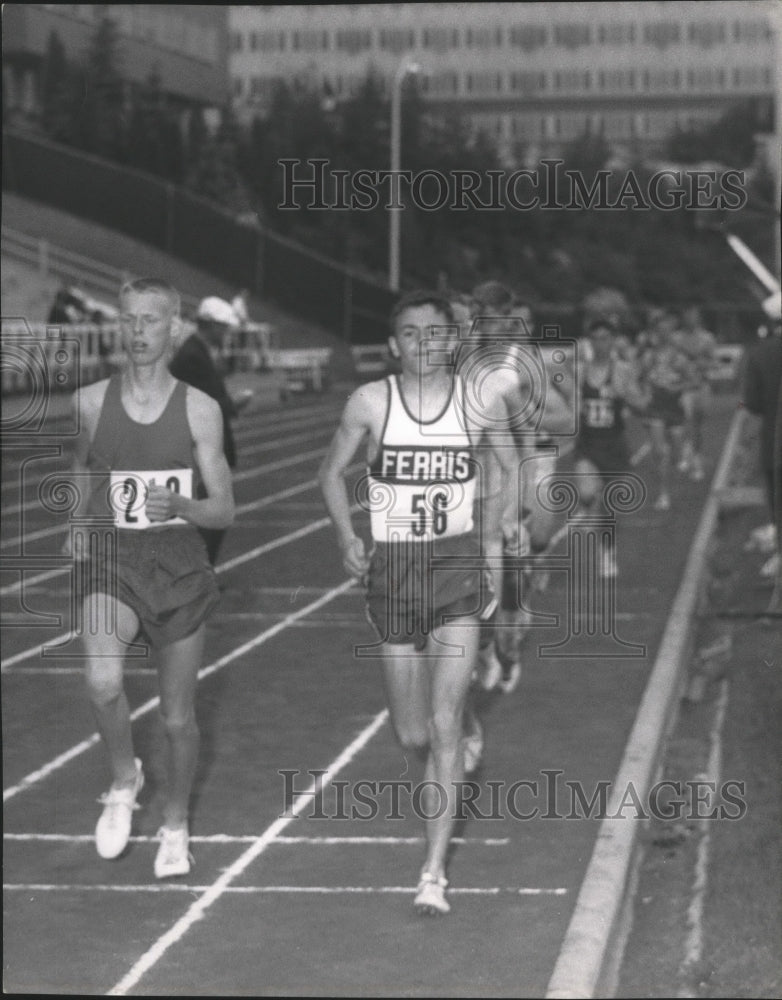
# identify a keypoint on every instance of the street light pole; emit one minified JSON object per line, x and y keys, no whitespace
{"x":404,"y":69}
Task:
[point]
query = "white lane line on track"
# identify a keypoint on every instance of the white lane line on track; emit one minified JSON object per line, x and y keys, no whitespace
{"x":241,"y":509}
{"x":9,"y":509}
{"x":693,"y":948}
{"x":323,"y":890}
{"x":75,"y":751}
{"x":246,"y":430}
{"x":63,"y":460}
{"x":276,"y":543}
{"x":283,"y":442}
{"x":252,"y":473}
{"x":197,"y":909}
{"x":637,"y":457}
{"x":258,"y":470}
{"x":249,"y":838}
{"x":32,"y":581}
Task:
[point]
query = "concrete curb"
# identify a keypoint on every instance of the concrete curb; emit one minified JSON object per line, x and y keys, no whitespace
{"x":590,"y":955}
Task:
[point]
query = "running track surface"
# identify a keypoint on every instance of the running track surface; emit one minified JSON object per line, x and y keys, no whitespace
{"x":317,"y":899}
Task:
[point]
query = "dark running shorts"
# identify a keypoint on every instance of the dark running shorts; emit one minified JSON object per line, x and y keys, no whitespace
{"x":415,"y":587}
{"x":609,"y":455}
{"x":666,"y":407}
{"x":164,"y":575}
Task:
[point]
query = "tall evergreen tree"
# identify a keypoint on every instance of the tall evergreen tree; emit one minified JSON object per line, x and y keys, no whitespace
{"x":57,"y":85}
{"x":101,"y":119}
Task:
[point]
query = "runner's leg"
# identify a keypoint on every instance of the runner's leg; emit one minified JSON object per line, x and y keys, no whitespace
{"x":178,"y":667}
{"x":661,"y":450}
{"x":112,"y":626}
{"x":453,"y":648}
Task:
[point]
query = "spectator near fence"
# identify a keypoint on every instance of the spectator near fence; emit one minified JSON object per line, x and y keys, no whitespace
{"x":194,"y":363}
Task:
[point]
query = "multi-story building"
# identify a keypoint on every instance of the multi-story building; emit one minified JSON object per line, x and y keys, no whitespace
{"x":186,"y":46}
{"x":534,"y":75}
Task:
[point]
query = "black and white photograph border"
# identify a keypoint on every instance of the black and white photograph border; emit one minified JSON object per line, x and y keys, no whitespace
{"x":392,"y":494}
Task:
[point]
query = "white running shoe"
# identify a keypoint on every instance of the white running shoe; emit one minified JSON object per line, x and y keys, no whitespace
{"x":685,"y":459}
{"x":430,"y":898}
{"x":663,"y":502}
{"x":770,"y":568}
{"x":608,"y":567}
{"x":511,"y":675}
{"x":173,"y":856}
{"x":113,"y":827}
{"x":697,"y":471}
{"x":489,"y":668}
{"x":472,"y":744}
{"x":762,"y":539}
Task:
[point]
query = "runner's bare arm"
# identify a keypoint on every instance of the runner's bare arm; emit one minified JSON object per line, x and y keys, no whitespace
{"x":555,"y":414}
{"x":354,"y":426}
{"x":628,"y":388}
{"x":217,"y":510}
{"x":86,"y":405}
{"x":499,"y":461}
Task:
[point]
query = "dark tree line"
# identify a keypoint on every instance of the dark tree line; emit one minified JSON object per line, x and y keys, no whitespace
{"x":90,"y":105}
{"x":552,"y":255}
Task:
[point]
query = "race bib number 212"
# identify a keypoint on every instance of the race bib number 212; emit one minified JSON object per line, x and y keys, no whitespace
{"x":128,"y":494}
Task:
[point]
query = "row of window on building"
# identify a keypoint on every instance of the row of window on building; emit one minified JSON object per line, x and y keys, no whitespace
{"x":527,"y":83}
{"x":352,"y":41}
{"x":566,"y":126}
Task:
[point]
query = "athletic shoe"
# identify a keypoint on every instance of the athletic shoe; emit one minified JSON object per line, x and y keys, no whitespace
{"x":472,"y":744}
{"x":511,"y":675}
{"x":608,"y":567}
{"x":173,"y":857}
{"x":686,"y":459}
{"x":696,"y":471}
{"x":762,"y":539}
{"x":663,"y":502}
{"x":770,"y":568}
{"x":489,"y":668}
{"x":430,"y":898}
{"x":113,"y":827}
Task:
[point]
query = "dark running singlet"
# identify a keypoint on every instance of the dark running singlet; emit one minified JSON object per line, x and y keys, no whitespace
{"x":601,"y":432}
{"x":601,"y":409}
{"x":133,"y":455}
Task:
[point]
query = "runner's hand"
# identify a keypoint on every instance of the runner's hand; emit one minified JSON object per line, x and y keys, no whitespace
{"x":354,"y":558}
{"x":161,"y":503}
{"x":510,"y":532}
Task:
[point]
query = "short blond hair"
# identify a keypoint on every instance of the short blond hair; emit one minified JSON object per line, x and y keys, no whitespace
{"x":158,"y":285}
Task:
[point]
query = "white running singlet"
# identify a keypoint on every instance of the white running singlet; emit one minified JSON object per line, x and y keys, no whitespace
{"x":422,"y":481}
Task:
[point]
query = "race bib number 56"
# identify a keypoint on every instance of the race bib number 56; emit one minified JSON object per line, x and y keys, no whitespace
{"x":128,"y":495}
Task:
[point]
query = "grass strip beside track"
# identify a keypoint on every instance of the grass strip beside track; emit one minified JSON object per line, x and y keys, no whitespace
{"x":587,"y":958}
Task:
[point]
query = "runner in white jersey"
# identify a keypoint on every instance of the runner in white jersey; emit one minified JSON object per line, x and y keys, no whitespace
{"x":426,"y":577}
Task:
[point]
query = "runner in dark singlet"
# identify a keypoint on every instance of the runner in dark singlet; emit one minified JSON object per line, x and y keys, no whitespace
{"x":668,"y":374}
{"x":607,"y":387}
{"x":145,"y":443}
